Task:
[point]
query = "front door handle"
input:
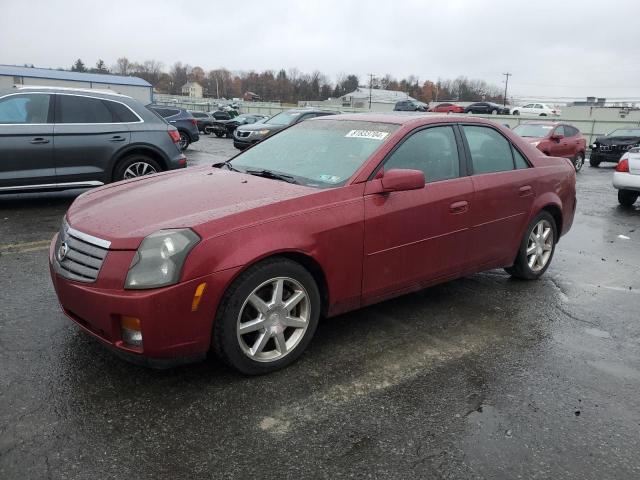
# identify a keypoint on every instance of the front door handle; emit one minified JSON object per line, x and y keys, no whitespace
{"x":525,"y":191}
{"x":39,"y":141}
{"x":459,"y":207}
{"x":117,"y":138}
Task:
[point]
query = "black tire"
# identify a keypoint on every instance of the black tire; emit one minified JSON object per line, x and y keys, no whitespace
{"x":225,"y":342}
{"x":594,"y":163}
{"x":578,"y":161}
{"x":627,"y":197}
{"x":516,"y":112}
{"x":494,"y":112}
{"x":120,"y":172}
{"x":219,"y":134}
{"x":543,"y":114}
{"x":185,"y":140}
{"x":521,"y":268}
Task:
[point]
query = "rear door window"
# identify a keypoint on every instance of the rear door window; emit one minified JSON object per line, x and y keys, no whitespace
{"x":77,"y":109}
{"x":24,"y":109}
{"x":559,"y":130}
{"x":490,"y":151}
{"x":166,"y":112}
{"x":121,"y":113}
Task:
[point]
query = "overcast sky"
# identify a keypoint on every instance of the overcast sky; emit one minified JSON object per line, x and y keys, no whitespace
{"x":560,"y":48}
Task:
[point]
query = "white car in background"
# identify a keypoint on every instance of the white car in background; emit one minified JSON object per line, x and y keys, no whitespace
{"x":626,"y":178}
{"x":536,"y":110}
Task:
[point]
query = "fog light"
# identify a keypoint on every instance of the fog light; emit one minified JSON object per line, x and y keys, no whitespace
{"x":131,"y":332}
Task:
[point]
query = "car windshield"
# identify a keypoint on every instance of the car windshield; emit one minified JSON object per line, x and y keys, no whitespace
{"x":625,"y":132}
{"x":533,"y":130}
{"x":283,"y":118}
{"x":322,"y":154}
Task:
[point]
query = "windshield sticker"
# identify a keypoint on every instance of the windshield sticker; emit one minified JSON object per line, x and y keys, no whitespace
{"x":329,"y":178}
{"x":373,"y":135}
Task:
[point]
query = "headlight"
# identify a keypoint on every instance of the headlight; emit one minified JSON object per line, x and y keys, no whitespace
{"x":264,"y":132}
{"x":158,"y":261}
{"x":594,"y":146}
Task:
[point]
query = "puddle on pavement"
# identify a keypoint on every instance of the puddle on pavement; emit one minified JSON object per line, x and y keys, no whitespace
{"x":489,"y":420}
{"x":597,"y":333}
{"x":616,"y":369}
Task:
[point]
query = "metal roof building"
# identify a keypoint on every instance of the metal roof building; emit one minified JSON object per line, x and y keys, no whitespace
{"x":132,"y":86}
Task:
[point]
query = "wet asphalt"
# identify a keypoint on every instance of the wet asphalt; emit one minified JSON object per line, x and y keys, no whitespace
{"x":480,"y":378}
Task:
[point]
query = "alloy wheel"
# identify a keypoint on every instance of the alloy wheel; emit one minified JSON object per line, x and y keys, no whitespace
{"x":579,"y":161}
{"x":273,"y":319}
{"x":540,"y":245}
{"x":138,"y":169}
{"x":184,"y":141}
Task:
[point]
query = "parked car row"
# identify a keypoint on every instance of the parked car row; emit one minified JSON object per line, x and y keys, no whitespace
{"x":487,"y":108}
{"x":555,"y":139}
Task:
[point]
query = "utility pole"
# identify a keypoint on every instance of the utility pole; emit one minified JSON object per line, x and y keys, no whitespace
{"x":506,"y":84}
{"x":370,"y":87}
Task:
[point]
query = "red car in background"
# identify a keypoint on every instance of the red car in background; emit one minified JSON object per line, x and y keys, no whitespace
{"x":555,"y":139}
{"x":326,"y":216}
{"x":447,"y":108}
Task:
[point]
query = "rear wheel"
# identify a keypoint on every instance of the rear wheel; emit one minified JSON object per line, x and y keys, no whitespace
{"x":578,"y":161}
{"x":494,"y":112}
{"x":267,"y":317}
{"x":536,"y":249}
{"x":185,"y":140}
{"x":594,"y":163}
{"x":516,"y":112}
{"x":136,"y":165}
{"x":627,"y":197}
{"x":219,"y":134}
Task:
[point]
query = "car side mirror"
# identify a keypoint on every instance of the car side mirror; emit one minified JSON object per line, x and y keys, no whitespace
{"x":557,"y":137}
{"x":398,"y":180}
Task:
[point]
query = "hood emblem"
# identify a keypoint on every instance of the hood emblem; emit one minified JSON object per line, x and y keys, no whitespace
{"x":61,"y":254}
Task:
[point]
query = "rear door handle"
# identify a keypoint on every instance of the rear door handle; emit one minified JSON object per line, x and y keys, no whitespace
{"x":39,"y":140}
{"x":525,"y":190}
{"x":459,"y":207}
{"x":117,"y":138}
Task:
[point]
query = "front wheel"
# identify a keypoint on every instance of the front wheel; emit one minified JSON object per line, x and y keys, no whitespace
{"x":627,"y":198}
{"x":494,"y":112}
{"x":536,"y":249}
{"x":594,"y":163}
{"x":267,"y":317}
{"x":219,"y":134}
{"x":578,"y":161}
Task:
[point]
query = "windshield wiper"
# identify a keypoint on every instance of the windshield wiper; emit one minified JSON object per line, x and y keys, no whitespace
{"x":226,"y":163}
{"x":273,"y":175}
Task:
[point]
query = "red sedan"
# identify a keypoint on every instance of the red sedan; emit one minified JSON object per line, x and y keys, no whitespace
{"x":244,"y":258}
{"x":447,"y":108}
{"x":555,"y":139}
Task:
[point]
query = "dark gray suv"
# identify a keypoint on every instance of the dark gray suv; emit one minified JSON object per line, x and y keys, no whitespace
{"x":56,"y":138}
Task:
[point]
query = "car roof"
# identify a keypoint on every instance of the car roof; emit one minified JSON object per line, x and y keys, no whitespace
{"x":404,"y":118}
{"x":102,"y":93}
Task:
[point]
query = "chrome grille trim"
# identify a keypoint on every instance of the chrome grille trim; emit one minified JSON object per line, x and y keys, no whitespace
{"x":84,"y":255}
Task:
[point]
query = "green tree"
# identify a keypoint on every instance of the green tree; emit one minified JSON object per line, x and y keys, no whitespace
{"x":78,"y":66}
{"x":101,"y":67}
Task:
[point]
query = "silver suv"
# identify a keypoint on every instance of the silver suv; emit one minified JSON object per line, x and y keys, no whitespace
{"x":59,"y":138}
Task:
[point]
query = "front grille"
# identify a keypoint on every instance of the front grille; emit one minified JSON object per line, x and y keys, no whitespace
{"x":79,"y":256}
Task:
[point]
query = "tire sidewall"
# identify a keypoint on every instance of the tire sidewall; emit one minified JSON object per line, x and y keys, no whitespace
{"x":188,"y":140}
{"x":225,"y":341}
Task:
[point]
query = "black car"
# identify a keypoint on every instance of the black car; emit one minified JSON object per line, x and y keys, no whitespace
{"x":410,"y":106}
{"x":247,"y":135}
{"x":182,"y":120}
{"x":612,"y":146}
{"x":488,"y":108}
{"x":57,"y":138}
{"x":203,"y":120}
{"x":223,"y":128}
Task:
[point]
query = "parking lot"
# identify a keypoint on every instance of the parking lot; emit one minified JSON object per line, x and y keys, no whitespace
{"x":483,"y":377}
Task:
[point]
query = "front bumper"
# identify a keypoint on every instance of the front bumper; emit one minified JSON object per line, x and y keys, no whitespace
{"x":242,"y":143}
{"x":171,"y":332}
{"x":626,"y":181}
{"x":599,"y":156}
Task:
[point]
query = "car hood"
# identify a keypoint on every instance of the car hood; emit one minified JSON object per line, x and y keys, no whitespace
{"x":617,"y":140}
{"x":534,"y":139}
{"x":126,"y":212}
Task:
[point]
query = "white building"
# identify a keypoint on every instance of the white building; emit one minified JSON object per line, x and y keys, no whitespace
{"x":380,"y":99}
{"x":42,"y":77}
{"x":192,"y":89}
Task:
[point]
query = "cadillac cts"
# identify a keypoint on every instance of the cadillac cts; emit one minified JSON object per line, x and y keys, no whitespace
{"x":244,"y":257}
